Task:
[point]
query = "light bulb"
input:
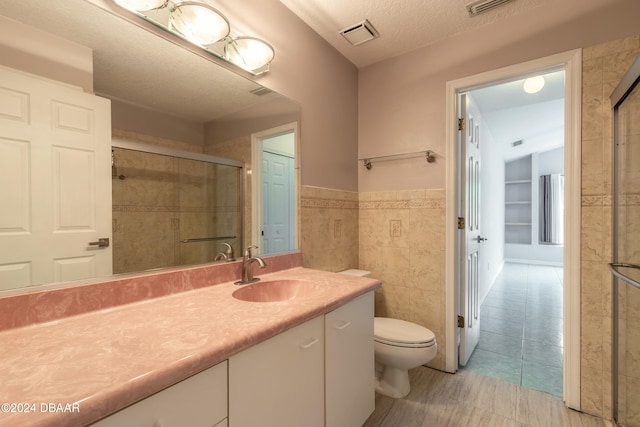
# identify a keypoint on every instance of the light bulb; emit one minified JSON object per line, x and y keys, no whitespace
{"x":249,"y":53}
{"x":199,"y":23}
{"x":533,"y":84}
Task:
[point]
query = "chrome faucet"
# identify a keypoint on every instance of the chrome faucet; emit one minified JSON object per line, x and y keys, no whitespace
{"x":247,"y":267}
{"x":227,"y":255}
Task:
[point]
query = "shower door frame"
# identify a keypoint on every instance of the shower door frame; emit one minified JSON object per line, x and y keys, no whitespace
{"x":629,"y":82}
{"x":188,"y":155}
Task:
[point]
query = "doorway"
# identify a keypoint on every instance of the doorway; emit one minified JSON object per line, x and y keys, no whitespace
{"x":518,"y":133}
{"x":273,"y":180}
{"x":570,"y":62}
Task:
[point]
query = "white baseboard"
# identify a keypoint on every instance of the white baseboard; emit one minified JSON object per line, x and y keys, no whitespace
{"x":534,"y":262}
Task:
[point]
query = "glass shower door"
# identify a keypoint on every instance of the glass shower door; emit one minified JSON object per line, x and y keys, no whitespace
{"x":626,"y":250}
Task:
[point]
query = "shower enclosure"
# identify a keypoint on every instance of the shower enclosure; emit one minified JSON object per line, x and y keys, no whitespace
{"x":173,"y":207}
{"x":626,"y":249}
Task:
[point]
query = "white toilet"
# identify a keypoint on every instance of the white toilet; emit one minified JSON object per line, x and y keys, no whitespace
{"x":399,"y":346}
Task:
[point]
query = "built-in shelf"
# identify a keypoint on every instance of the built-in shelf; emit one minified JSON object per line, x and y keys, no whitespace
{"x":517,"y":203}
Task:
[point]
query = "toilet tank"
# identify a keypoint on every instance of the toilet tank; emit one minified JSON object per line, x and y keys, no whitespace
{"x":356,"y":272}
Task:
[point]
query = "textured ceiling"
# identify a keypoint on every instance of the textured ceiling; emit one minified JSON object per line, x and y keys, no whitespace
{"x":159,"y":75}
{"x":403,"y":25}
{"x":138,"y":67}
{"x":511,"y":114}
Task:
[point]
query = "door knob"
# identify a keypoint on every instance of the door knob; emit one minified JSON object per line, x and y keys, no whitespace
{"x":481,"y":239}
{"x":103,"y":242}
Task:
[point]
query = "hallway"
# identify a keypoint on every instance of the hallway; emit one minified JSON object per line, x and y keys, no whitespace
{"x":521,"y":337}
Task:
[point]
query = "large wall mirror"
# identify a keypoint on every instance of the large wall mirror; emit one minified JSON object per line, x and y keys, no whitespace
{"x":168,"y":96}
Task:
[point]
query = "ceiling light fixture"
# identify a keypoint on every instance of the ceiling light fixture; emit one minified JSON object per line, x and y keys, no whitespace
{"x":141,"y":5}
{"x":199,"y":23}
{"x":206,"y":27}
{"x":533,"y":84}
{"x":249,"y":53}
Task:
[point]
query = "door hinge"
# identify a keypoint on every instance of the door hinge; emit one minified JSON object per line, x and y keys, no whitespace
{"x":462,"y":124}
{"x":460,"y":321}
{"x":461,"y":224}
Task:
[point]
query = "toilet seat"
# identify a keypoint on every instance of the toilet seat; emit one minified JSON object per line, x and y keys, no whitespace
{"x":400,"y":333}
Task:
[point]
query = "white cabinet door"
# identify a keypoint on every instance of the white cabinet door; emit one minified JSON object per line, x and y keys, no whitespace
{"x":198,"y":401}
{"x":280,"y":382}
{"x":55,"y":181}
{"x":349,"y":363}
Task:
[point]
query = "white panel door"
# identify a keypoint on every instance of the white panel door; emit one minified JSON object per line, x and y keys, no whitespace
{"x":470,"y":236}
{"x":55,"y":182}
{"x":278,"y":203}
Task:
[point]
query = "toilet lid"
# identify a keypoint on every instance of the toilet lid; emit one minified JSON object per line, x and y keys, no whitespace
{"x":396,"y":331}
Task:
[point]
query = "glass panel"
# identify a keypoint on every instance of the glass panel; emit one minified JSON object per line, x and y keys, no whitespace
{"x":627,"y":248}
{"x":169,"y":211}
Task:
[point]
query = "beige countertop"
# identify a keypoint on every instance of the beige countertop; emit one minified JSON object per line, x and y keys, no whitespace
{"x":93,"y":364}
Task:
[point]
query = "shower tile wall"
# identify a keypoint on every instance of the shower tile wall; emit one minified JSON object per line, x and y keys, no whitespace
{"x":238,"y":149}
{"x":628,"y":251}
{"x":603,"y":67}
{"x":402,"y":244}
{"x":162,"y":200}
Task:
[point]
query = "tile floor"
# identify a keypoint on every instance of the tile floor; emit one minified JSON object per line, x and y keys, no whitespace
{"x":521,"y":329}
{"x":467,"y":399}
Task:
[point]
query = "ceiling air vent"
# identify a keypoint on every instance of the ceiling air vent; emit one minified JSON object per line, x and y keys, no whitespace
{"x":516,"y":143}
{"x":360,"y":33}
{"x":480,"y":6}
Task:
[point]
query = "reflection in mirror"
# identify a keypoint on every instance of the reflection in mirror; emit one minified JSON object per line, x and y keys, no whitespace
{"x":173,"y":208}
{"x":162,"y":93}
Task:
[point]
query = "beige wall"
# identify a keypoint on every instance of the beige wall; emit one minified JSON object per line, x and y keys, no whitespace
{"x":603,"y":67}
{"x":402,"y":109}
{"x":28,"y":49}
{"x":402,"y":100}
{"x":309,"y":71}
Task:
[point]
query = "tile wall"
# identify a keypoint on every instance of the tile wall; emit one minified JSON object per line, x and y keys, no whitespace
{"x":402,"y":242}
{"x":398,"y":236}
{"x":329,"y":226}
{"x":603,"y":67}
{"x":161,"y":200}
{"x":238,"y":149}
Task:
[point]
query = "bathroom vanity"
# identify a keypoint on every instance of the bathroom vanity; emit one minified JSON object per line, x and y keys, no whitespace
{"x":203,"y":357}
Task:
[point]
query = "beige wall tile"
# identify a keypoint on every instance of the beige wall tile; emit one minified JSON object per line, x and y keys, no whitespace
{"x":329,"y":228}
{"x":603,"y":66}
{"x":591,"y":390}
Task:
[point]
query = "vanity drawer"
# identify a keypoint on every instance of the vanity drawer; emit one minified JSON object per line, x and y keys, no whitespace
{"x":198,"y":401}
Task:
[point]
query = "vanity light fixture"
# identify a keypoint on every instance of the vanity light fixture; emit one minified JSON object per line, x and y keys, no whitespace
{"x":533,"y":84}
{"x":204,"y":26}
{"x":199,"y":23}
{"x":141,"y":5}
{"x":249,"y":53}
